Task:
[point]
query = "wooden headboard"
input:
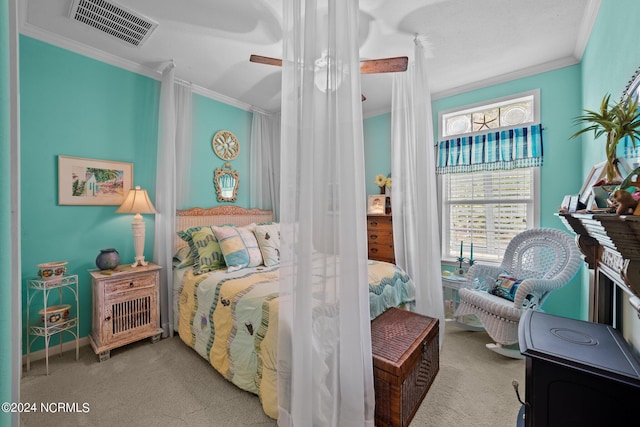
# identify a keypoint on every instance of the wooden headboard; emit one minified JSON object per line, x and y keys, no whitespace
{"x":218,"y":215}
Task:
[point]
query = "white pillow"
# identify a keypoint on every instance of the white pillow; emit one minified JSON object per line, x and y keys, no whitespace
{"x":268,"y":237}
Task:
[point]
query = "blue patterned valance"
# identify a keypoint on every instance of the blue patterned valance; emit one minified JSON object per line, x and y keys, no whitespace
{"x":506,"y":149}
{"x":629,"y":150}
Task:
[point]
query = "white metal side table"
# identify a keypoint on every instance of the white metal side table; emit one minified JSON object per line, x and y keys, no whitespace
{"x":46,"y":329}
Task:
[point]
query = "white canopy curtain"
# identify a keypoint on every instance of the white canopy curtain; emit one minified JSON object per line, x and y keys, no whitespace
{"x":174,"y":130}
{"x":416,"y":229}
{"x":264,"y":184}
{"x":325,"y":373}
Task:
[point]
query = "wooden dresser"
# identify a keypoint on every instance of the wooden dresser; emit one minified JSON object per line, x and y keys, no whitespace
{"x":380,"y":238}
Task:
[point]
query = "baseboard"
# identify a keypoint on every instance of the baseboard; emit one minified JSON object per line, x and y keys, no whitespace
{"x":54,"y":350}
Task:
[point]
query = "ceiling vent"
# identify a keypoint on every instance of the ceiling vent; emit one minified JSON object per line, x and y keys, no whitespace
{"x":113,"y":19}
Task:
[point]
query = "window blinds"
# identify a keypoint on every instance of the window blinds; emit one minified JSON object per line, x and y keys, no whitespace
{"x":488,"y":209}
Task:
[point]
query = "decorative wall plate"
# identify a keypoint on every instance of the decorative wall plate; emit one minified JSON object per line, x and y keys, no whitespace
{"x":225,"y":145}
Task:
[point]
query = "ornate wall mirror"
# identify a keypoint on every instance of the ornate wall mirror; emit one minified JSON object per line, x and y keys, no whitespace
{"x":630,"y":154}
{"x":633,"y":87}
{"x":226,"y":182}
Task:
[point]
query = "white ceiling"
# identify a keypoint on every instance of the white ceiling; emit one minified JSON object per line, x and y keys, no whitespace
{"x":473,"y":43}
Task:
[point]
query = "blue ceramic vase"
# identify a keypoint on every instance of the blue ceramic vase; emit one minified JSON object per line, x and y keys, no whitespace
{"x":108,"y":259}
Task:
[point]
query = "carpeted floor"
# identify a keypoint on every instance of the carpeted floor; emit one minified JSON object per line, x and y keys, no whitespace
{"x":168,"y":384}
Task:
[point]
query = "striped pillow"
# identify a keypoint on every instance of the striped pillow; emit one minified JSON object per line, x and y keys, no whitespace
{"x":239,"y":247}
{"x":205,"y":249}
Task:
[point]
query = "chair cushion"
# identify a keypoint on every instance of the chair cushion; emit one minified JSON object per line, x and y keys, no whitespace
{"x":472,"y":301}
{"x":506,"y":286}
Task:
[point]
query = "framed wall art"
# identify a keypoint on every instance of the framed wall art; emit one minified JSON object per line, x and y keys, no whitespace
{"x":376,"y":204}
{"x":93,"y":182}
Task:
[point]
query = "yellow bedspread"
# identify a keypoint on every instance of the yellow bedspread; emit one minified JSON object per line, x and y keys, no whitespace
{"x":231,"y":319}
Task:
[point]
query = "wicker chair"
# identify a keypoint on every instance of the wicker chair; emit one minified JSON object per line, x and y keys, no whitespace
{"x":546,"y":259}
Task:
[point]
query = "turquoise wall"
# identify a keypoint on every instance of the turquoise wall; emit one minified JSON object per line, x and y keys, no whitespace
{"x":377,"y":149}
{"x":611,"y":58}
{"x":560,"y":98}
{"x":209,"y":117}
{"x":75,"y":106}
{"x":5,"y":216}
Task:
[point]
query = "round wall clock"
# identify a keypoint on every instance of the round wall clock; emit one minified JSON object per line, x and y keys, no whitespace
{"x":225,"y":145}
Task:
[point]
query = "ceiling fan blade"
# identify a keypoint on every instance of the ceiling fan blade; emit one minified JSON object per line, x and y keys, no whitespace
{"x":265,"y":60}
{"x":385,"y":65}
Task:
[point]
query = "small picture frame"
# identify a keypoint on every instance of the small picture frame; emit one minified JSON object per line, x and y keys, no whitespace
{"x":596,"y":174}
{"x":93,"y":182}
{"x":376,"y":204}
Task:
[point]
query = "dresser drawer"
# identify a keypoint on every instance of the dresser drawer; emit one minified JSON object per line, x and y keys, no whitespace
{"x":127,"y":285}
{"x":379,"y":223}
{"x":381,"y":252}
{"x":380,"y":237}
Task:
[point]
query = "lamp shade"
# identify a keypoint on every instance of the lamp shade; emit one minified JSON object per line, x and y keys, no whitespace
{"x":137,"y":202}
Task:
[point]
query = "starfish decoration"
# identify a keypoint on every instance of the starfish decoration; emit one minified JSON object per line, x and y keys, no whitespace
{"x":484,"y":123}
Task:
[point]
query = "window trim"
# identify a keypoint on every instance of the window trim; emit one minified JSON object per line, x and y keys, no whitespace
{"x":488,"y":104}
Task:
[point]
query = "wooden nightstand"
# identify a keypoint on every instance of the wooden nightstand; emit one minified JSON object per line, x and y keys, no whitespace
{"x":125,"y":307}
{"x":380,"y":238}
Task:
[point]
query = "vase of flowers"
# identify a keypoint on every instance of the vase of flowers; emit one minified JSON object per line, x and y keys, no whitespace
{"x":381,"y":182}
{"x":384,"y":182}
{"x":616,"y":121}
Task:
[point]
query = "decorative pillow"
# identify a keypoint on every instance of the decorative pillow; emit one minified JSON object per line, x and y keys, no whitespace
{"x":239,"y":247}
{"x":205,"y":249}
{"x":506,"y":286}
{"x":268,"y":237}
{"x":183,"y":257}
{"x":483,"y":283}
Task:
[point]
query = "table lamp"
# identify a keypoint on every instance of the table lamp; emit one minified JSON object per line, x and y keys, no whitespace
{"x":137,"y":202}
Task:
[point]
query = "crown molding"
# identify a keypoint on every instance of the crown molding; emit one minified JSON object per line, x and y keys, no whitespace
{"x":225,"y":99}
{"x":99,"y":55}
{"x":588,"y":21}
{"x":82,"y":49}
{"x":377,"y":112}
{"x":503,"y":78}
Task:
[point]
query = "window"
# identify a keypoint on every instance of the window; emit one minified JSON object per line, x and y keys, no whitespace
{"x":487,"y":208}
{"x":498,"y":114}
{"x":494,"y":198}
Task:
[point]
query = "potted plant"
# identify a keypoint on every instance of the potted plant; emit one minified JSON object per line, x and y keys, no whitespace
{"x":616,"y":121}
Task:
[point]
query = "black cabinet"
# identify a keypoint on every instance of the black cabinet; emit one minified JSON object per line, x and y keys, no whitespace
{"x":577,"y":373}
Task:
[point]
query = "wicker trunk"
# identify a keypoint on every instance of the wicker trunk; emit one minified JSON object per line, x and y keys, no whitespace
{"x":405,"y":362}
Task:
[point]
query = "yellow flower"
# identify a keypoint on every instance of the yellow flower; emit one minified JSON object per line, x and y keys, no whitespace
{"x":388,"y":182}
{"x":380,"y":180}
